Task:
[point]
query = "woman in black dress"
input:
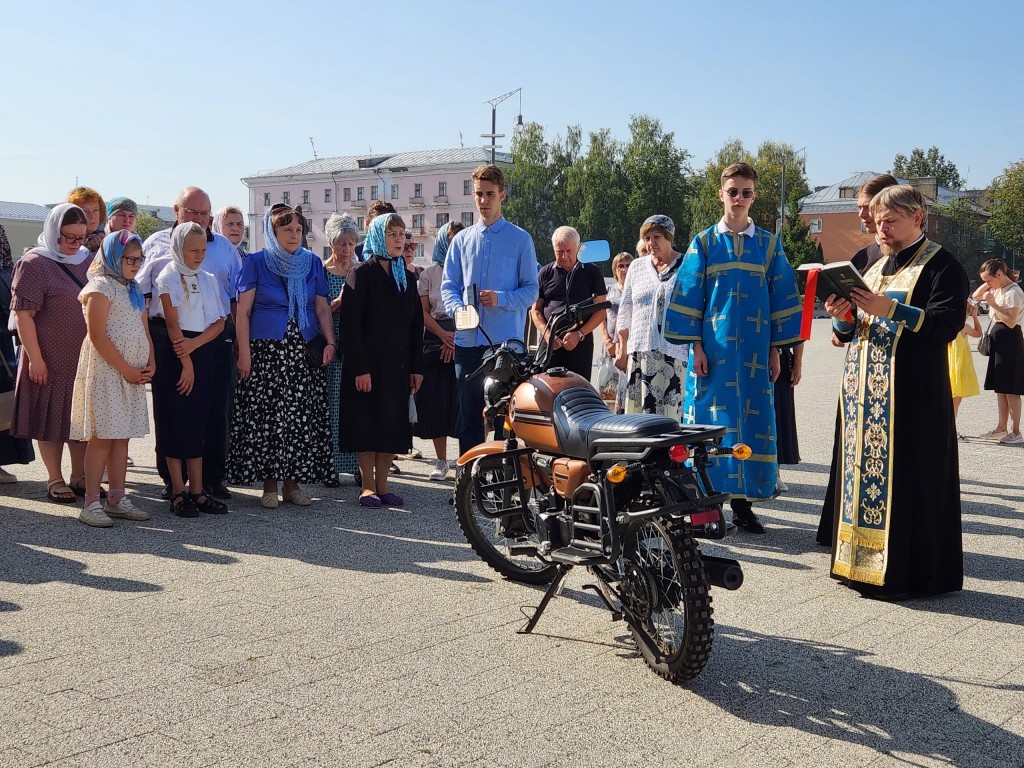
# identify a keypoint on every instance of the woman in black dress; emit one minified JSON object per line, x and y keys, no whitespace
{"x":382,"y":340}
{"x":1005,"y":373}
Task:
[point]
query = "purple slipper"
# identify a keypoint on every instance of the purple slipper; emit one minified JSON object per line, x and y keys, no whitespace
{"x":392,"y":500}
{"x":371,"y":500}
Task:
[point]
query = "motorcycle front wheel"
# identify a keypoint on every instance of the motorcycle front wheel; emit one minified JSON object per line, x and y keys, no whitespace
{"x":491,"y":538}
{"x":664,"y":588}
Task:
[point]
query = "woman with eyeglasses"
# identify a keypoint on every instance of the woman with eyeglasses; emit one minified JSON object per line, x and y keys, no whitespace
{"x":610,"y":337}
{"x":47,"y":280}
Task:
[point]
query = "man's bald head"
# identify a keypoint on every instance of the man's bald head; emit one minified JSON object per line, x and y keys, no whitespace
{"x":193,"y":205}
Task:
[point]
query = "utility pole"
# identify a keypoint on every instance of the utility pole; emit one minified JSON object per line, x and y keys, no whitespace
{"x":494,"y":119}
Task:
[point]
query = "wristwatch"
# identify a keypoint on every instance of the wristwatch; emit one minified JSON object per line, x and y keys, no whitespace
{"x":582,"y":335}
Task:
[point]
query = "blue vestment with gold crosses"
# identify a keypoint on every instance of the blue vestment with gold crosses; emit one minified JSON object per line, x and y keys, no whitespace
{"x":736,"y":294}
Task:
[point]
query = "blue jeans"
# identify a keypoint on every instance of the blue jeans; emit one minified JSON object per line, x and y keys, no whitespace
{"x":471,"y":396}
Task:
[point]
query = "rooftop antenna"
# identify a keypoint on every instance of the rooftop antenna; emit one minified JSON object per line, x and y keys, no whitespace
{"x":460,"y":140}
{"x":315,"y":157}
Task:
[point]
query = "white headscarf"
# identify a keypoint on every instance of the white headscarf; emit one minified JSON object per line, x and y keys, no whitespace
{"x":173,"y":276}
{"x":49,"y":238}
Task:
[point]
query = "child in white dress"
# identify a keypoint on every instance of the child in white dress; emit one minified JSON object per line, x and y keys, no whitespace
{"x":115,"y":364}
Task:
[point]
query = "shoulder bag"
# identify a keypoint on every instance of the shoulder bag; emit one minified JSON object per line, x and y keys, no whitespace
{"x":985,"y":342}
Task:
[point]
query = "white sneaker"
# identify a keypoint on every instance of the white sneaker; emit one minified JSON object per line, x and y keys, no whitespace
{"x":439,"y":472}
{"x":124,"y":508}
{"x":93,"y":515}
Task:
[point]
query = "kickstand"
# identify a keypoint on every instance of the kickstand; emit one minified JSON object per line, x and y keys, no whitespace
{"x":551,"y":590}
{"x":616,"y":614}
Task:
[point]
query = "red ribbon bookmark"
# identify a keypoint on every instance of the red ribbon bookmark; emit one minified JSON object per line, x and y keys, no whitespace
{"x":810,"y":291}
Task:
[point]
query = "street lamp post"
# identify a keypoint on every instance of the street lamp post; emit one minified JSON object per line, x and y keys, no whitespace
{"x":494,"y":119}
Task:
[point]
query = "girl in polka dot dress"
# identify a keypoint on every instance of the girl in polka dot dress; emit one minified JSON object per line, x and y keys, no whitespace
{"x":116,"y":362}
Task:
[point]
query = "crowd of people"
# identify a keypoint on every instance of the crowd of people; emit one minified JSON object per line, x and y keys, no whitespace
{"x":283,"y":369}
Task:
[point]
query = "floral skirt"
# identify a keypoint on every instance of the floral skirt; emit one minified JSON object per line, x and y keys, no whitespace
{"x":654,"y":384}
{"x":279,"y":426}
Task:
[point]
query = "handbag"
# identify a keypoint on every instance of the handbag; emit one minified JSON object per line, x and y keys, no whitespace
{"x":985,"y":342}
{"x":6,"y":399}
{"x":315,"y":350}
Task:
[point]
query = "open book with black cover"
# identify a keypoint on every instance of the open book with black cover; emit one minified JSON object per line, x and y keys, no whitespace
{"x":839,"y":278}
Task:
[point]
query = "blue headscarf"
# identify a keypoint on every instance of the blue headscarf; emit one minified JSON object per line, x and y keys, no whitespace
{"x":111,"y":251}
{"x":290,"y":267}
{"x":376,"y":245}
{"x":441,"y":246}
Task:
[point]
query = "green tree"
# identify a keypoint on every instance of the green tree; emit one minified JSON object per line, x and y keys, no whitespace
{"x":657,"y":172}
{"x":1005,"y":202}
{"x":704,"y":206}
{"x":531,"y":188}
{"x":797,"y":242}
{"x":599,"y":181}
{"x":930,"y":163}
{"x":565,"y":155}
{"x":146,"y":224}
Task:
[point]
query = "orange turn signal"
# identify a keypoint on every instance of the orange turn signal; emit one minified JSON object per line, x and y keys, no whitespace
{"x":616,"y":474}
{"x":741,"y":451}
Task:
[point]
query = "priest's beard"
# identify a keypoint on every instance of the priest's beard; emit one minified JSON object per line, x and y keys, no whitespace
{"x":891,"y":249}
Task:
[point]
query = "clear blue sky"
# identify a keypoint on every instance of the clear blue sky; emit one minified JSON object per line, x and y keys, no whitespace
{"x":140,"y":99}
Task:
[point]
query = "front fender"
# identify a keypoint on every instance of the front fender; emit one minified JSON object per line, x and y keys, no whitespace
{"x":484,"y":449}
{"x":531,"y":475}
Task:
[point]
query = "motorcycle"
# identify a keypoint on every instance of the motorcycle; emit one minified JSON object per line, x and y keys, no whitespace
{"x":625,"y":496}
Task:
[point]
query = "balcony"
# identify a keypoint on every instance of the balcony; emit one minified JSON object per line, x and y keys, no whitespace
{"x":359,"y":205}
{"x":440,"y":199}
{"x":416,"y":202}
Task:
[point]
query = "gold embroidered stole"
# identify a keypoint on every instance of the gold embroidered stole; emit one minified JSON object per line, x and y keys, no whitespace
{"x":867,"y":401}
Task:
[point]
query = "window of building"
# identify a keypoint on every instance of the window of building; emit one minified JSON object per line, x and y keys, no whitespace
{"x":467,"y":187}
{"x":847,"y":192}
{"x":442,"y":188}
{"x":361,"y":222}
{"x":417,"y":221}
{"x":467,"y":218}
{"x":442,"y":219}
{"x":360,"y":193}
{"x":286,"y":198}
{"x":266,"y":198}
{"x":417,"y":190}
{"x":373,"y":192}
{"x":394,"y":191}
{"x":305,"y":197}
{"x":327,"y":195}
{"x":347,"y":194}
{"x":325,"y":225}
{"x":815,"y":226}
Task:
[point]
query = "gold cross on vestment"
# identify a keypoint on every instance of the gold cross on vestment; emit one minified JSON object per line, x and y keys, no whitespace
{"x":715,"y":408}
{"x":734,"y":340}
{"x":737,"y":294}
{"x":748,"y":411}
{"x":767,"y":438}
{"x":735,"y":384}
{"x":757,"y":320}
{"x":716,"y":319}
{"x":754,"y":367}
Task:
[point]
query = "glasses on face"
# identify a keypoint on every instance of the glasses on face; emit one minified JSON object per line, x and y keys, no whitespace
{"x":193,"y":212}
{"x":133,"y":260}
{"x":746,"y":194}
{"x":73,"y":239}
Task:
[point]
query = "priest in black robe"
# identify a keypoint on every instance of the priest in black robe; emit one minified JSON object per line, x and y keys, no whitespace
{"x":898,"y":524}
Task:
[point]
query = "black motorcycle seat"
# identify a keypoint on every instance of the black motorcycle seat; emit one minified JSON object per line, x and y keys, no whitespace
{"x":581,"y":417}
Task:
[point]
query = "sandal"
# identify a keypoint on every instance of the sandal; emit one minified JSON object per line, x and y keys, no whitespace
{"x":297,"y":497}
{"x":371,"y":500}
{"x":209,"y":505}
{"x":392,"y":500}
{"x":59,"y":492}
{"x":183,"y":506}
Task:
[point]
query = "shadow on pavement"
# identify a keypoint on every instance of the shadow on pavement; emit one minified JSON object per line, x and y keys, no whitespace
{"x":836,"y":693}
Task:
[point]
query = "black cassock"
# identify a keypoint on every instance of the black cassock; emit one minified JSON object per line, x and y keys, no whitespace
{"x":382,"y":335}
{"x":900,"y":464}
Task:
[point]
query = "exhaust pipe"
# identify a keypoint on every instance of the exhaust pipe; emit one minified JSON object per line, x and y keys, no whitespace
{"x":723,"y":572}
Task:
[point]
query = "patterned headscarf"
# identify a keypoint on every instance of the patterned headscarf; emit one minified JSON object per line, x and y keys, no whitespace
{"x":664,"y":222}
{"x":441,"y":246}
{"x":376,"y":245}
{"x":49,"y":238}
{"x":6,"y":259}
{"x":290,"y":267}
{"x":110,"y":253}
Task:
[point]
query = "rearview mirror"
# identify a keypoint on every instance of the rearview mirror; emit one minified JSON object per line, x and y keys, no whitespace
{"x":594,"y":251}
{"x":466,"y":318}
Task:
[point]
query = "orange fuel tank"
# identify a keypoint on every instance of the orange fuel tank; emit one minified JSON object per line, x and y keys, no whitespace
{"x":532,"y":404}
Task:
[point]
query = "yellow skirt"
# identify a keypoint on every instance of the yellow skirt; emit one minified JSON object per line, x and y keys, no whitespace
{"x":962,"y":378}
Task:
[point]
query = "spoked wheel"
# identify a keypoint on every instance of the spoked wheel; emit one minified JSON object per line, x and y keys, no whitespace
{"x":493,"y":538}
{"x":665,"y":589}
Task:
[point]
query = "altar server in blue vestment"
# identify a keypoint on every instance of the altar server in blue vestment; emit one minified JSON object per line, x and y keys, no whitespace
{"x":735,"y":300}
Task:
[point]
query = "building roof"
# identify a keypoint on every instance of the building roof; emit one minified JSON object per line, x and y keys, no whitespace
{"x":162,"y":212}
{"x":391,"y":161}
{"x":23,"y":211}
{"x":828,"y":200}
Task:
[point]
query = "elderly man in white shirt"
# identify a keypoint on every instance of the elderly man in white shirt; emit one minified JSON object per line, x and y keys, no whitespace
{"x":224,"y":263}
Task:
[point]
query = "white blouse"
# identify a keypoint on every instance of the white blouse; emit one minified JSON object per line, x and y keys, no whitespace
{"x":645,"y":296}
{"x":1011,"y":297}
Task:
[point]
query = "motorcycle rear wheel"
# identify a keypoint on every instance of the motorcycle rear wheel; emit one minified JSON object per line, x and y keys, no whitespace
{"x":485,"y":535}
{"x":665,"y":589}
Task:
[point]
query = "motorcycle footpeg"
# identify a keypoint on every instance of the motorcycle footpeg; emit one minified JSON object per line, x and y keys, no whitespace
{"x":522,"y":547}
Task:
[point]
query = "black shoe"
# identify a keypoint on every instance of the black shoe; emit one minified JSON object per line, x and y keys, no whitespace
{"x":205,"y":502}
{"x":748,"y":522}
{"x":332,"y":482}
{"x":182,"y":505}
{"x":165,"y":494}
{"x":218,"y":491}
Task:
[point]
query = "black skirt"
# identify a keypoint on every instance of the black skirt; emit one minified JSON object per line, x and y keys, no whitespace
{"x":1005,"y":374}
{"x":437,"y":402}
{"x":785,"y":411}
{"x":181,"y":419}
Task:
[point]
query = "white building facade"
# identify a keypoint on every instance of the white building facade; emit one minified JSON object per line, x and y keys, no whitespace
{"x":428,"y":189}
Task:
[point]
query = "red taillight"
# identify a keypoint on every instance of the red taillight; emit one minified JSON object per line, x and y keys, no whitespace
{"x":707,"y":516}
{"x":679,"y":453}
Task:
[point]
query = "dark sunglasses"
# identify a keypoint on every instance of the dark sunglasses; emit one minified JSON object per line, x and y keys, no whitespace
{"x":746,"y":193}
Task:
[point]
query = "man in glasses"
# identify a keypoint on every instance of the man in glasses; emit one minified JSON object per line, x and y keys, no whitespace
{"x":735,"y":300}
{"x":223,"y":262}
